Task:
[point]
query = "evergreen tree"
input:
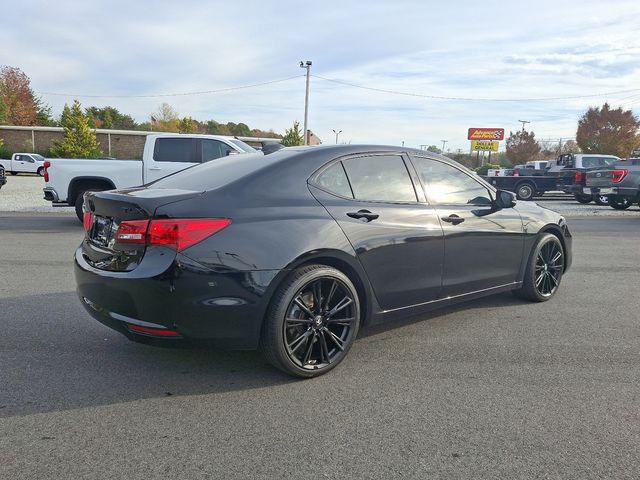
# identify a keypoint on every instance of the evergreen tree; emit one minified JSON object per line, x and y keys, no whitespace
{"x":79,"y":140}
{"x":293,"y":136}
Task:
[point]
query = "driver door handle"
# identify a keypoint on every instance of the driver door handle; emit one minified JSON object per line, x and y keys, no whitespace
{"x":155,"y":168}
{"x":453,"y":219}
{"x":363,"y":215}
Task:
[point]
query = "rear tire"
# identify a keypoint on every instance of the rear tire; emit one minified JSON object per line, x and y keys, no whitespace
{"x":300,"y":335}
{"x":582,"y":198}
{"x":13,"y":173}
{"x":544,"y":270}
{"x":619,"y":203}
{"x":525,"y":191}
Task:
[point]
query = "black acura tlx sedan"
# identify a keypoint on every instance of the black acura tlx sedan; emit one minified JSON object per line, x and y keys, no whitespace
{"x":294,"y":252}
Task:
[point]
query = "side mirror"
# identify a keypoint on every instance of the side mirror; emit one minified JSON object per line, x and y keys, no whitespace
{"x":505,"y":199}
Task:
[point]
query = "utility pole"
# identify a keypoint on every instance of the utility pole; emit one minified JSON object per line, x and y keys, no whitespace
{"x":337,"y":133}
{"x":523,"y":122}
{"x":307,"y":65}
{"x":443,"y":142}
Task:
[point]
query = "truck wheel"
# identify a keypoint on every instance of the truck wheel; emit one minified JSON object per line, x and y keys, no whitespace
{"x":582,"y":198}
{"x":525,"y":191}
{"x":619,"y":203}
{"x":13,"y":173}
{"x":602,"y":200}
{"x":80,"y":202}
{"x":41,"y":171}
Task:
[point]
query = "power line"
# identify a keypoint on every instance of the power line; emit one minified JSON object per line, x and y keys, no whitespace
{"x":469,"y":99}
{"x":182,"y":94}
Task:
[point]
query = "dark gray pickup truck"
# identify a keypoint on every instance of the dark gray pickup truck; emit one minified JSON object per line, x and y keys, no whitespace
{"x":621,"y":182}
{"x":3,"y":178}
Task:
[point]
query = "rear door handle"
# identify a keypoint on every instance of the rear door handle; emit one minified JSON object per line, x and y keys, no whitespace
{"x":453,"y":219}
{"x":155,"y":168}
{"x":363,"y":215}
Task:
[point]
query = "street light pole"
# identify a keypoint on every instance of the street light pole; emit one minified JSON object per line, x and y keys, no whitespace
{"x":337,"y":133}
{"x":523,"y":122}
{"x":307,"y":65}
{"x":443,"y":143}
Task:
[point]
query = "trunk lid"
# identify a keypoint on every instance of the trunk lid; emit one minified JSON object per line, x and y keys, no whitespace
{"x":106,"y":211}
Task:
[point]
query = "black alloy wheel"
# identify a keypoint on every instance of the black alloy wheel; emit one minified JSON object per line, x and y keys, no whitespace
{"x":582,"y":198}
{"x":544,"y":270}
{"x":619,"y":203}
{"x":312,"y":323}
{"x":525,"y":191}
{"x":602,"y":200}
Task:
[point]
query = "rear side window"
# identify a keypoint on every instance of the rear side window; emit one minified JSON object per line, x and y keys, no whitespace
{"x":334,"y":180}
{"x":591,"y":162}
{"x":382,"y":178}
{"x":175,"y":150}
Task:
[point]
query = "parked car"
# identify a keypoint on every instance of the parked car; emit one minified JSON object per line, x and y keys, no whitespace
{"x":620,"y":182}
{"x":576,"y":167}
{"x":3,"y":178}
{"x":24,"y":163}
{"x":296,"y":251}
{"x":67,"y":179}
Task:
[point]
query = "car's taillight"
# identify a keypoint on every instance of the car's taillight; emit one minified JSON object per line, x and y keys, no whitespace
{"x":579,"y":176}
{"x":618,"y":175}
{"x":175,"y":233}
{"x":88,"y":221}
{"x":183,"y":233}
{"x":46,"y":165}
{"x":516,"y":173}
{"x":132,"y":231}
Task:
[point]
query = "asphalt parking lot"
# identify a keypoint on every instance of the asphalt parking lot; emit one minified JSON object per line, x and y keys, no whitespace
{"x":495,"y":388}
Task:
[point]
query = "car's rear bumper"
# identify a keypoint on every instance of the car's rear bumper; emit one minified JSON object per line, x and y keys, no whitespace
{"x":221,"y":308}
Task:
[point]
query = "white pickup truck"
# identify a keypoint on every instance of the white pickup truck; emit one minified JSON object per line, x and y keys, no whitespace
{"x":66,"y":179}
{"x":24,"y":163}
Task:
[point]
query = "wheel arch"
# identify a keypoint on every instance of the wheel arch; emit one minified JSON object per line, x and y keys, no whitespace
{"x":76,"y":186}
{"x":556,"y":230}
{"x":341,"y":261}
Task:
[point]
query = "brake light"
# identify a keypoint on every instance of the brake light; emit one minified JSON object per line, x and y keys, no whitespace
{"x":132,"y":231}
{"x":46,"y":165}
{"x":516,"y":173}
{"x":579,"y":176}
{"x":88,"y":221}
{"x":618,"y":175}
{"x":183,"y":233}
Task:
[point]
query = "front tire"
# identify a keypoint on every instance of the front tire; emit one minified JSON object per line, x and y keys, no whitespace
{"x":312,"y":321}
{"x":41,"y":171}
{"x":602,"y":200}
{"x":544,"y":270}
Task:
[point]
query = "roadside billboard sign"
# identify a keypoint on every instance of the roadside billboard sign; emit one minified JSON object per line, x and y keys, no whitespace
{"x":484,"y":146}
{"x":486,"y":134}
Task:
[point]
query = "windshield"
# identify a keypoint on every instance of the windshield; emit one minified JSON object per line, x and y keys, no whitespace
{"x":243,"y":146}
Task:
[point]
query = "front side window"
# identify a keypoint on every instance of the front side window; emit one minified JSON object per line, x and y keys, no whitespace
{"x":175,"y":150}
{"x":212,"y":149}
{"x":446,"y":184}
{"x":381,"y":178}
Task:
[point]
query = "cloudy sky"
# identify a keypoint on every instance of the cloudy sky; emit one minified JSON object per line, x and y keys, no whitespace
{"x":495,"y":62}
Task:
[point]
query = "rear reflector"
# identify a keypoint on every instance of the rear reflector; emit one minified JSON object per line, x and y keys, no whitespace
{"x":184,"y":233}
{"x":618,"y":175}
{"x":46,"y":165}
{"x":160,"y":332}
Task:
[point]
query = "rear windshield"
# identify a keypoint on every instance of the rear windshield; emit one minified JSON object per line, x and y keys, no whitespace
{"x":243,"y":146}
{"x":591,"y":162}
{"x":212,"y":175}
